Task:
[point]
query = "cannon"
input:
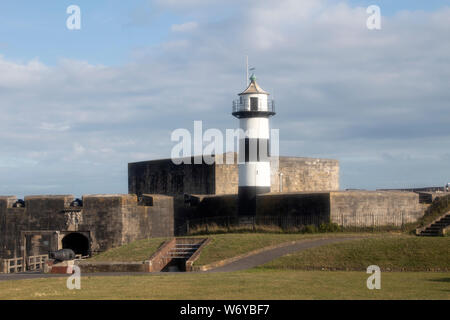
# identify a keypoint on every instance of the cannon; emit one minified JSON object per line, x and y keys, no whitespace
{"x":19,"y":204}
{"x":62,"y":255}
{"x":77,"y":203}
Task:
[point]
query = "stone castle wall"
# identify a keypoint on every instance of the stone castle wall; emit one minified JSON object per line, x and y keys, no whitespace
{"x":164,"y":177}
{"x":368,"y":208}
{"x":345,"y":208}
{"x":106,"y":220}
{"x":305,"y":174}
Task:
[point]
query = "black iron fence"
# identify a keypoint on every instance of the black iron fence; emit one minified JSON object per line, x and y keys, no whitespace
{"x":300,"y":223}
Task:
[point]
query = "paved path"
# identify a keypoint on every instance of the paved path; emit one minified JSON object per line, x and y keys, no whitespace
{"x":269,"y":255}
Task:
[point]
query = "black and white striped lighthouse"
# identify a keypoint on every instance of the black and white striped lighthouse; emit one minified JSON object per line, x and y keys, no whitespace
{"x":253,"y":109}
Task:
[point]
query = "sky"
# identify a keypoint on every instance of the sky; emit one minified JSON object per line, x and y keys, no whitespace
{"x":77,"y":106}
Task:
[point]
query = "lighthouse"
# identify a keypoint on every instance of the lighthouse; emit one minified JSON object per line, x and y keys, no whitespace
{"x":253,"y":109}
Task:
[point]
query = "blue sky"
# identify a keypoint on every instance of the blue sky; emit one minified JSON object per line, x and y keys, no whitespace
{"x":112,"y":29}
{"x":85,"y":103}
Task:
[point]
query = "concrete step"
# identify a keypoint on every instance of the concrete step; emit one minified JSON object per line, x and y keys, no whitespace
{"x":186,"y":247}
{"x":181,"y":252}
{"x":427,"y":230}
{"x":182,"y":249}
{"x":429,"y":233}
{"x":193,"y":246}
{"x":439,"y":225}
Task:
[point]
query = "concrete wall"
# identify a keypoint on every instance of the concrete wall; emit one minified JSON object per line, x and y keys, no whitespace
{"x":368,"y":208}
{"x":212,"y":206}
{"x":164,"y":177}
{"x":346,"y":208}
{"x":294,"y":204}
{"x":226,"y":177}
{"x":305,"y":174}
{"x":106,"y":220}
{"x":38,"y":214}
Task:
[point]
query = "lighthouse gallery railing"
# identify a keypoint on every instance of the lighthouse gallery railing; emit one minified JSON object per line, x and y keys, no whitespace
{"x":239,"y":106}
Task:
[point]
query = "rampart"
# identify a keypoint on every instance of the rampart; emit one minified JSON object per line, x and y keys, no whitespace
{"x":288,"y":174}
{"x":48,"y":223}
{"x":345,"y":208}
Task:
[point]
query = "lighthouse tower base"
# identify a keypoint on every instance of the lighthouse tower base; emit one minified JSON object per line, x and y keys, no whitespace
{"x":247,"y":199}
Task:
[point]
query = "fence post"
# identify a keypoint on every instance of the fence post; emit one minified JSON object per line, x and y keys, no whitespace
{"x":373,"y":222}
{"x":187,"y":227}
{"x":403,"y":221}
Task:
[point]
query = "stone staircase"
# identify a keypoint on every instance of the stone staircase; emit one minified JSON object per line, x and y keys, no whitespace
{"x":177,"y":254}
{"x":182,"y":251}
{"x":436,"y":228}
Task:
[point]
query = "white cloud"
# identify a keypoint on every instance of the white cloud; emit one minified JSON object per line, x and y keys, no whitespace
{"x":373,"y":99}
{"x":185,"y":27}
{"x":54,"y":127}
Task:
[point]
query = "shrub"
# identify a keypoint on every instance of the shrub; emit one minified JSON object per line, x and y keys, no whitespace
{"x":311,"y":228}
{"x":329,"y":227}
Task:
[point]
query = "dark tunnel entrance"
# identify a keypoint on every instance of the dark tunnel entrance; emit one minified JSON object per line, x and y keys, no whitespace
{"x":77,"y":242}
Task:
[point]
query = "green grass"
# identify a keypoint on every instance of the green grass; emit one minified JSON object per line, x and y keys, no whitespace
{"x":214,"y":228}
{"x":400,"y":253}
{"x":224,"y":246}
{"x":255,"y":285}
{"x":136,"y":251}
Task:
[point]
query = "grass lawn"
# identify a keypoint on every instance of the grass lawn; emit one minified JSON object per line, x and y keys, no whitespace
{"x":136,"y":251}
{"x":221,"y":247}
{"x":229,"y":245}
{"x":399,"y":253}
{"x":252,"y":284}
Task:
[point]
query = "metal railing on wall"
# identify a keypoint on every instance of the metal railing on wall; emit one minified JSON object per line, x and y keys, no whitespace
{"x":300,"y":223}
{"x":230,"y":223}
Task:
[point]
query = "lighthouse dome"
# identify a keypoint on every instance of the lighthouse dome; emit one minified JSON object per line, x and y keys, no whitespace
{"x":253,"y":87}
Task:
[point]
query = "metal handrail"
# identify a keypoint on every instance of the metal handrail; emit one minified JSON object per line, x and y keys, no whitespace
{"x":239,"y":106}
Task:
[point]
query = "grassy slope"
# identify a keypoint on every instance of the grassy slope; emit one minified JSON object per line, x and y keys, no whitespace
{"x":393,"y":253}
{"x":221,"y":247}
{"x":238,"y":285}
{"x":136,"y":251}
{"x":229,"y":245}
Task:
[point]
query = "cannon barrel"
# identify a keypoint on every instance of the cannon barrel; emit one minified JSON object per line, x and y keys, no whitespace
{"x":62,"y":255}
